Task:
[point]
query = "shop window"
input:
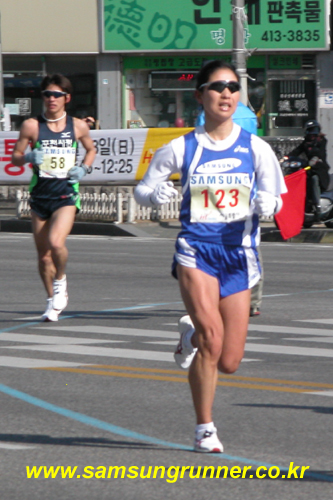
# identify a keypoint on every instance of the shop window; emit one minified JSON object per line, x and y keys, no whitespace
{"x":160,"y":99}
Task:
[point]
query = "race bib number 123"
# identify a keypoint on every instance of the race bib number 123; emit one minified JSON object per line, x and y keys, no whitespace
{"x":222,"y":201}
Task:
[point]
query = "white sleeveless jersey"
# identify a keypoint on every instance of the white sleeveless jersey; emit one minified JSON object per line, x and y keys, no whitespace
{"x":219,"y":183}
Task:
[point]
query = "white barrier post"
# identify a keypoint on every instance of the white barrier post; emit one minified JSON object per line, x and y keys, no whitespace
{"x":131,"y":208}
{"x":119,"y":208}
{"x":18,"y":203}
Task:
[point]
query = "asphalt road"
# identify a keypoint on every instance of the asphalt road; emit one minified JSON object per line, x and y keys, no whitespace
{"x":99,"y":388}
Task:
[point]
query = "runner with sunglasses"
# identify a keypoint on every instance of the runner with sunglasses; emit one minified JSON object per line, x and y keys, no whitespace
{"x":228,"y":178}
{"x":54,"y":187}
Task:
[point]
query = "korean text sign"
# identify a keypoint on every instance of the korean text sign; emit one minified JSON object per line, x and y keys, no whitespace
{"x":137,"y":25}
{"x":121,"y":155}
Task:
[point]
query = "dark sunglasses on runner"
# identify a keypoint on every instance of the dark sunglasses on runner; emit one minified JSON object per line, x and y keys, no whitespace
{"x":53,"y":93}
{"x":220,"y":85}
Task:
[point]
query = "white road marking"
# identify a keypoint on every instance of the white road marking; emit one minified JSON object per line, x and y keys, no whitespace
{"x":13,"y":446}
{"x":76,"y":346}
{"x":99,"y":351}
{"x":161,"y":342}
{"x":320,"y":321}
{"x":324,"y":340}
{"x":290,"y":329}
{"x":30,"y":318}
{"x":109,"y":330}
{"x":50,"y":339}
{"x":322,"y":393}
{"x":15,"y":362}
{"x":102,"y":351}
{"x":290,"y":350}
{"x":174,"y":343}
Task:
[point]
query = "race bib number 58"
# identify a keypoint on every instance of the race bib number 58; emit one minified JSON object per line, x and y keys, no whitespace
{"x":57,"y":162}
{"x":222,"y":198}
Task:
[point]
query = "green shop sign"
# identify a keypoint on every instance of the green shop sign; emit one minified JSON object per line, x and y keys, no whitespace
{"x":273,"y":25}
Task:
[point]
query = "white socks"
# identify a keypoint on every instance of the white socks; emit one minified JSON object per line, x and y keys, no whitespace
{"x":202,"y":428}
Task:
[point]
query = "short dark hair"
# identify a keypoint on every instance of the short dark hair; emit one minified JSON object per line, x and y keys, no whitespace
{"x":59,"y":80}
{"x":210,"y":67}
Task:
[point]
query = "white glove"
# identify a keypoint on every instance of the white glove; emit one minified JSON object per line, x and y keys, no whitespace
{"x":76,"y":173}
{"x":163,"y":193}
{"x":266,"y":203}
{"x":35,"y":157}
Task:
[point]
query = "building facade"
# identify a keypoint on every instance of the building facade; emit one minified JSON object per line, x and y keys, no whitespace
{"x":133,"y":63}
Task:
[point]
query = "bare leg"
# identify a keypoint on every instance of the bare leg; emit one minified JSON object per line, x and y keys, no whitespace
{"x":46,"y":267}
{"x":50,"y":238}
{"x":61,"y":224}
{"x":221,"y":328}
{"x":200,"y":294}
{"x":235,"y":313}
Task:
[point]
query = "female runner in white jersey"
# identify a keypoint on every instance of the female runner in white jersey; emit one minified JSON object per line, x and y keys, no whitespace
{"x":228,"y":177}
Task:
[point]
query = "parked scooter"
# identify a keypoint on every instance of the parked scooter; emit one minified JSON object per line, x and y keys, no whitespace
{"x":292,"y":164}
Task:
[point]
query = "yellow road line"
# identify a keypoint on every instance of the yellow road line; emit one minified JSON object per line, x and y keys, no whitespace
{"x":151,"y":376}
{"x":221,"y":376}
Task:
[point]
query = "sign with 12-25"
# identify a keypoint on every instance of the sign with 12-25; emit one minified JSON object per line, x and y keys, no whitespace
{"x":143,"y":25}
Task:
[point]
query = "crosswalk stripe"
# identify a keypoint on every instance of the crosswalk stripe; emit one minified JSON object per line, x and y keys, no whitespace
{"x":102,"y":351}
{"x":165,"y":356}
{"x":136,"y":332}
{"x":323,"y":340}
{"x":16,"y":362}
{"x":110,"y":330}
{"x":174,"y":343}
{"x":290,"y":329}
{"x":319,"y":321}
{"x":51,"y":339}
{"x":290,"y":350}
{"x":85,"y":346}
{"x":99,"y":351}
{"x":13,"y":446}
{"x":322,"y":393}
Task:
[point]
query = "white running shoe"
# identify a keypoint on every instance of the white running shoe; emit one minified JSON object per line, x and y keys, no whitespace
{"x":50,"y":314}
{"x":185,"y":351}
{"x":60,"y":295}
{"x":207,"y":442}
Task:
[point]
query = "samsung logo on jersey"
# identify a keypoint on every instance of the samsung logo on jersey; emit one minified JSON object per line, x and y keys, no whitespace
{"x":214,"y":167}
{"x":222,"y":179}
{"x":239,"y":149}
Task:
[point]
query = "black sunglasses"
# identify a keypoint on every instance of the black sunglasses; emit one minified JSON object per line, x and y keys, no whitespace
{"x":220,"y":85}
{"x":53,"y":93}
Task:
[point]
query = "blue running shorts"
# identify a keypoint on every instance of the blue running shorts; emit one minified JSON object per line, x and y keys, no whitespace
{"x":237,"y":268}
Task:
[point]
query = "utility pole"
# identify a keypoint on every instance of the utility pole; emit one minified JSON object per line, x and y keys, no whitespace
{"x":239,"y":52}
{"x":2,"y":116}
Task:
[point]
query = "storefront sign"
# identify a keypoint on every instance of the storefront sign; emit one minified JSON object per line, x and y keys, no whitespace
{"x":142,"y":25}
{"x":122,"y":155}
{"x":285,"y":61}
{"x":24,"y":106}
{"x":14,"y":109}
{"x":326,"y":98}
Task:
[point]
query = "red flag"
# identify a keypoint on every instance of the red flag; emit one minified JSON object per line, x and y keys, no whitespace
{"x":291,"y":216}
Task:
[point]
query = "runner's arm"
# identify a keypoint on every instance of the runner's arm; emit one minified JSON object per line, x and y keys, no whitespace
{"x":163,"y":165}
{"x":82,"y":133}
{"x":268,"y":172}
{"x":27,"y":136}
